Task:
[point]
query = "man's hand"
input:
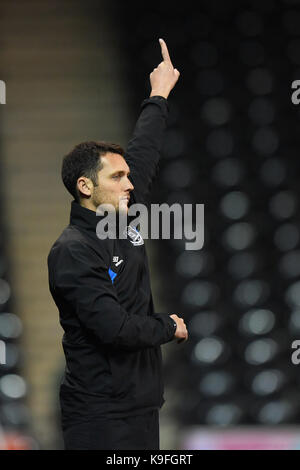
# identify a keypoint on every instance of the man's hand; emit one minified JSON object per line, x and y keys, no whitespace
{"x":181,"y":332}
{"x":164,"y":76}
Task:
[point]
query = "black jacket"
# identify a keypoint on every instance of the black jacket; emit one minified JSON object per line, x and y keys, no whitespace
{"x":112,"y":335}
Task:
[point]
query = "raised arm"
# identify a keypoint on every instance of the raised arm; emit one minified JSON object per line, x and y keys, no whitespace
{"x":143,"y":151}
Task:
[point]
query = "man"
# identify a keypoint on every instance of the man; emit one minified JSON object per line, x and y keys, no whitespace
{"x":112,"y":388}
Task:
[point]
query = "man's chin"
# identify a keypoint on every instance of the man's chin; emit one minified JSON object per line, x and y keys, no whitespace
{"x":123,"y":207}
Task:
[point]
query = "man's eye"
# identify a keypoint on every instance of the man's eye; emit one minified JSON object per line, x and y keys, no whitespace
{"x":116,"y":176}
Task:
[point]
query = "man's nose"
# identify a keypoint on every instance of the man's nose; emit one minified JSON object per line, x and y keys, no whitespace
{"x":129,"y":185}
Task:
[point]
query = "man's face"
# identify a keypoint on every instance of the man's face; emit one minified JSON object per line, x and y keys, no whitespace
{"x":114,"y":186}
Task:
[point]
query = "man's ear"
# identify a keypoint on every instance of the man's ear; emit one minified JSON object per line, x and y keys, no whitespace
{"x":84,"y":186}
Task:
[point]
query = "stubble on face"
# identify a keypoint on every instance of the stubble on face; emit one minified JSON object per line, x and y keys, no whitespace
{"x":102,"y":196}
{"x":108,"y":190}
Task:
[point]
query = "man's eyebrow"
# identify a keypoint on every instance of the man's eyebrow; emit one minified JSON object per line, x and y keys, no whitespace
{"x":120,"y":171}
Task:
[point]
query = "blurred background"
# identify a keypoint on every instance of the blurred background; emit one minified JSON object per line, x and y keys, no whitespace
{"x":77,"y":71}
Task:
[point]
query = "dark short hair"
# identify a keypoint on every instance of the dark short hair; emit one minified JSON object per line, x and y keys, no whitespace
{"x":85,"y":160}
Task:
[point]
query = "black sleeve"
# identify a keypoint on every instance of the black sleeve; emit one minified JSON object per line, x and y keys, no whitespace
{"x":143,"y":150}
{"x":84,"y":284}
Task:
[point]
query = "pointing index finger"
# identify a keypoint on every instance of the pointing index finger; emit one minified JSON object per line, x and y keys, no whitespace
{"x":164,"y":51}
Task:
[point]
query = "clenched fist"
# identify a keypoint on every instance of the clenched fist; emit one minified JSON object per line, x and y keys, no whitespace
{"x":181,"y":332}
{"x":164,"y":76}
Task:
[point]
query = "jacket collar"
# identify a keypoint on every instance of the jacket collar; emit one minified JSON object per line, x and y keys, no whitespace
{"x":87,"y":219}
{"x":83,"y":217}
